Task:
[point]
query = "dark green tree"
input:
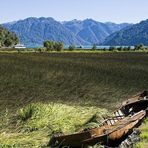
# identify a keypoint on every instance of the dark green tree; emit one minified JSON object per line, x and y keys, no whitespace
{"x":129,"y":48}
{"x":8,"y":42}
{"x":139,"y":47}
{"x":51,"y":45}
{"x":72,"y":47}
{"x":7,"y":38}
{"x":112,"y":48}
{"x":120,"y":48}
{"x":94,"y":47}
{"x":58,"y":46}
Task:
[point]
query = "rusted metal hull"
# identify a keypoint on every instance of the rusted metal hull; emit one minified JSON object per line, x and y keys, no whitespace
{"x":78,"y":139}
{"x":117,"y":132}
{"x":103,"y":135}
{"x":113,"y":129}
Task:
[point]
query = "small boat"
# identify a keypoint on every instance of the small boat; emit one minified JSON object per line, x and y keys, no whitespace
{"x":105,"y":135}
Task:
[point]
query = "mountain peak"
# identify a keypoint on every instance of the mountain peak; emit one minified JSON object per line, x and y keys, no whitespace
{"x":129,"y":36}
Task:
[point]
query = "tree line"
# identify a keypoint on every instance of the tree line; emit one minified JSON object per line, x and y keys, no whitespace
{"x":129,"y":48}
{"x":59,"y":46}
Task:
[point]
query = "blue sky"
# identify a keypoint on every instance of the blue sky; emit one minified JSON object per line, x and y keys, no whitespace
{"x":118,"y":11}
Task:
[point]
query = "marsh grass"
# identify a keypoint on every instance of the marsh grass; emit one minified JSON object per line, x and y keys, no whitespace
{"x":72,"y":78}
{"x":57,"y":117}
{"x":44,"y":93}
{"x":4,"y":118}
{"x":33,"y":139}
{"x":50,"y":118}
{"x":144,"y":135}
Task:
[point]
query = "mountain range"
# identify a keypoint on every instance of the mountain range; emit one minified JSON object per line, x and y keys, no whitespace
{"x":34,"y":31}
{"x":129,"y":36}
{"x":91,"y":31}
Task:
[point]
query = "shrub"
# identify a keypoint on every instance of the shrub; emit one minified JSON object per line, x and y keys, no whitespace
{"x":72,"y":47}
{"x":112,"y":48}
{"x":129,"y":48}
{"x":51,"y":45}
{"x":125,"y":49}
{"x":94,"y":47}
{"x":58,"y":46}
{"x":39,"y":50}
{"x":139,"y":47}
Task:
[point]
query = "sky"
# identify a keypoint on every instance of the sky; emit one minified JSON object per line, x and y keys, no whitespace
{"x":118,"y":11}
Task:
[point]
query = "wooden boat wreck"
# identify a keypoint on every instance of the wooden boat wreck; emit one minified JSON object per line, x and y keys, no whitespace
{"x":105,"y":135}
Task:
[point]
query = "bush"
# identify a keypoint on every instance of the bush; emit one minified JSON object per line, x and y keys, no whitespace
{"x":51,"y":45}
{"x":139,"y":47}
{"x":125,"y":49}
{"x":39,"y":50}
{"x":129,"y":48}
{"x":94,"y":47}
{"x":72,"y":47}
{"x":58,"y":46}
{"x":112,"y":48}
{"x":120,"y":48}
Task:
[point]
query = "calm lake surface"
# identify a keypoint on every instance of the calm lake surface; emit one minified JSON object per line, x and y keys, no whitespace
{"x":83,"y":47}
{"x":99,"y":47}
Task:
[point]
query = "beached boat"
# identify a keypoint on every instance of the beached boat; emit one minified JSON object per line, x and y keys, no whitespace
{"x":105,"y":135}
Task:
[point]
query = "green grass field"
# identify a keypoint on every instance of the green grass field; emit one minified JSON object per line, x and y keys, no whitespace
{"x":43,"y":93}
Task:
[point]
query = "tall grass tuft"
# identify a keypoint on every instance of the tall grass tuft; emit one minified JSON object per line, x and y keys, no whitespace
{"x":26,"y":113}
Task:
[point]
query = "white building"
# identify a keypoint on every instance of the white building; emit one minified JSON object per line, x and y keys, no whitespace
{"x":19,"y":46}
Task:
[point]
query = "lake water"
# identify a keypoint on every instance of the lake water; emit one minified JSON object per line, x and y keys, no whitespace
{"x":99,"y":47}
{"x":82,"y":47}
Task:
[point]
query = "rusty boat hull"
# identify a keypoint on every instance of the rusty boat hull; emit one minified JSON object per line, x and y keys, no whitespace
{"x":107,"y":134}
{"x":117,"y":132}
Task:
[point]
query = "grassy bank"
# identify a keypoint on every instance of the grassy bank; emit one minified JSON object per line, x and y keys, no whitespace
{"x":144,"y":135}
{"x":34,"y":124}
{"x":42,"y":93}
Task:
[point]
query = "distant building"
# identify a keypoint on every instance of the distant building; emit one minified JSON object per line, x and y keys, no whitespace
{"x":19,"y":46}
